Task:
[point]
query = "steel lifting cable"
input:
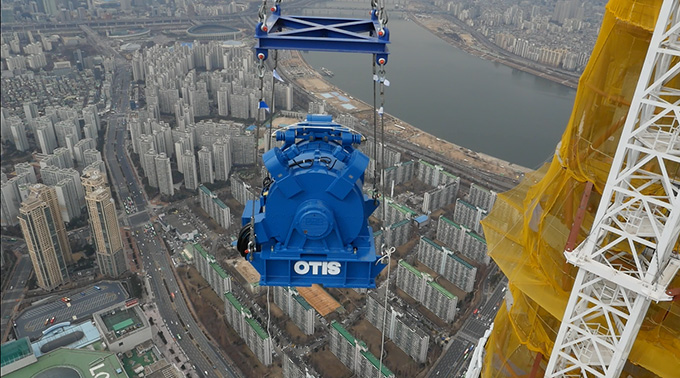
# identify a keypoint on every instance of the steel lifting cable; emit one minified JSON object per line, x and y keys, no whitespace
{"x":380,"y":78}
{"x":260,"y":73}
{"x":386,"y":253}
{"x":375,"y":132}
{"x":262,"y":14}
{"x":269,"y":143}
{"x":273,"y":106}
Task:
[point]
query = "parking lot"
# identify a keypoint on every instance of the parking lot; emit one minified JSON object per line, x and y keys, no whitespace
{"x":83,"y":304}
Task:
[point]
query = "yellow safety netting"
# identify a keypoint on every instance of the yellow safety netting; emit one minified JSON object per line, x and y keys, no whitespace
{"x":528,"y":227}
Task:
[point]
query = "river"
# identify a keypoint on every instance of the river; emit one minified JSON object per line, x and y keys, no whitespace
{"x":474,"y":103}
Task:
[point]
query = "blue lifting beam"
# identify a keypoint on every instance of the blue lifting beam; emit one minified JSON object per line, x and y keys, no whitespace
{"x":322,"y":34}
{"x":311,"y":220}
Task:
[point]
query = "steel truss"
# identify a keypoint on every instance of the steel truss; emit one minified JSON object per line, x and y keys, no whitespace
{"x":631,"y":254}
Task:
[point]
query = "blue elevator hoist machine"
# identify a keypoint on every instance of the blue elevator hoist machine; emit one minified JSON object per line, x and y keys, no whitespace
{"x":310,"y":224}
{"x":311,"y":219}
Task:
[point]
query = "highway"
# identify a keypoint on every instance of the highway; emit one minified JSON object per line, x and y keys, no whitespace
{"x":175,"y":312}
{"x":16,"y":287}
{"x":196,"y":346}
{"x":453,"y":361}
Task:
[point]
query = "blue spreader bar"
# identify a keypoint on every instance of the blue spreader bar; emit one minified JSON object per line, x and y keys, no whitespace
{"x":322,"y":34}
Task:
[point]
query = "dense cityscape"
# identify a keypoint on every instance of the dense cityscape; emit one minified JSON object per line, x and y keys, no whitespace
{"x":132,"y":134}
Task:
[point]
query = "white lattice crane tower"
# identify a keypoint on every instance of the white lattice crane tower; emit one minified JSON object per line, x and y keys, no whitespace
{"x":630,"y":255}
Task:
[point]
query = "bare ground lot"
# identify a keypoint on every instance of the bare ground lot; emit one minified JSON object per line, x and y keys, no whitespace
{"x":328,"y":365}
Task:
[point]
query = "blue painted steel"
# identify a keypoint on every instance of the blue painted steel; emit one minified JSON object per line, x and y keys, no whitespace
{"x":311,"y":221}
{"x":322,"y":34}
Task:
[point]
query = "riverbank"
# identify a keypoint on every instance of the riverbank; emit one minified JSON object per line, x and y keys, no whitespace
{"x":457,"y":36}
{"x":315,"y":85}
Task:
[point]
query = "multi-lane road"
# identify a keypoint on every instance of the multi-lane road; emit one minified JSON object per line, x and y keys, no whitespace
{"x":14,"y":292}
{"x":454,"y":359}
{"x":175,"y":313}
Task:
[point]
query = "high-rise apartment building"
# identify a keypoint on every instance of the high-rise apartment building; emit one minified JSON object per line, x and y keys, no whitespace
{"x":354,"y":353}
{"x":401,"y":327}
{"x":222,"y":159}
{"x":214,"y":206}
{"x":223,"y":101}
{"x":445,"y":262}
{"x":205,"y":165}
{"x":92,"y":122}
{"x":26,"y":168}
{"x":463,"y":240}
{"x":44,"y":135}
{"x":149,"y":164}
{"x":69,"y":203}
{"x":421,"y":287}
{"x":18,"y":131}
{"x":481,"y":197}
{"x":10,"y":203}
{"x":104,"y":223}
{"x":441,"y":196}
{"x":243,"y":149}
{"x":296,"y":307}
{"x":190,"y":173}
{"x":137,"y":67}
{"x":80,"y":147}
{"x":64,"y":128}
{"x":241,"y":320}
{"x":164,"y":174}
{"x":11,"y":193}
{"x":469,"y":215}
{"x":45,"y":235}
{"x":210,"y":270}
{"x":240,"y":190}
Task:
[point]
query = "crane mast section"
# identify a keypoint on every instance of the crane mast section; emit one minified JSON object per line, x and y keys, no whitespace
{"x":631,"y":253}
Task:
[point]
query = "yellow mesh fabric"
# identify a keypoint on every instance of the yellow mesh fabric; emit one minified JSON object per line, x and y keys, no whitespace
{"x":527,"y":229}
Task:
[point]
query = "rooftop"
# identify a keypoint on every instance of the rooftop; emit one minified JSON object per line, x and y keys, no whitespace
{"x":257,"y":328}
{"x":234,"y":302}
{"x":343,"y":332}
{"x":374,"y":361}
{"x":318,"y":298}
{"x":200,"y":250}
{"x":218,"y":269}
{"x":219,"y":203}
{"x":431,"y":242}
{"x":440,"y":289}
{"x":410,"y":267}
{"x":302,"y":302}
{"x":72,"y":363}
{"x":426,"y":163}
{"x":481,"y":188}
{"x":465,"y":203}
{"x":15,"y":350}
{"x":402,"y":208}
{"x":449,"y":221}
{"x":72,"y":336}
{"x":204,"y":189}
{"x":476,"y":236}
{"x":121,"y":322}
{"x":457,"y":258}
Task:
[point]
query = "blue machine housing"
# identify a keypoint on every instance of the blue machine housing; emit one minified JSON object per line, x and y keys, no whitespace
{"x":311,"y":221}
